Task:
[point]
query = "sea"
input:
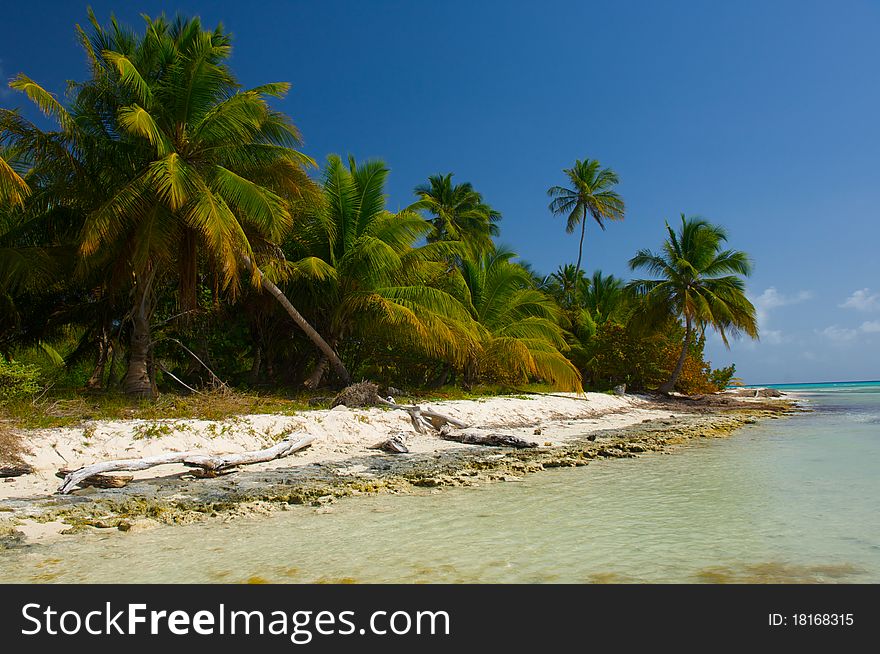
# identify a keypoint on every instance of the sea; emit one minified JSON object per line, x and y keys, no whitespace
{"x":789,"y":500}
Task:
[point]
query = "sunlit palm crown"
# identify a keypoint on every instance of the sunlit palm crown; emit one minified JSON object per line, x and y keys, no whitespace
{"x":696,"y":279}
{"x":519,"y":323}
{"x":605,"y":298}
{"x":590,"y":193}
{"x":371,"y":278}
{"x":189,"y":161}
{"x":459,"y":213}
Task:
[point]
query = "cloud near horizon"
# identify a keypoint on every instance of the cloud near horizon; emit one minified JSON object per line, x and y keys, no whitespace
{"x":862,"y":300}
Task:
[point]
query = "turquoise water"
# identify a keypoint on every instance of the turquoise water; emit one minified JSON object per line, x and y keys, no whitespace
{"x":788,"y":500}
{"x":849,"y":386}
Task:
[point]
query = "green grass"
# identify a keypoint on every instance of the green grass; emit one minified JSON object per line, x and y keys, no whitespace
{"x":66,"y":408}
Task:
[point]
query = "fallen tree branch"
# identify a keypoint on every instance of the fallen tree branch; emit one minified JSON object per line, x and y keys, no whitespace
{"x":423,"y":417}
{"x":179,"y":381}
{"x":210,"y":464}
{"x":495,"y":440}
{"x":367,"y":394}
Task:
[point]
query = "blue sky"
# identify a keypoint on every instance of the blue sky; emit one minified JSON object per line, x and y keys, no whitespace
{"x":760,"y":116}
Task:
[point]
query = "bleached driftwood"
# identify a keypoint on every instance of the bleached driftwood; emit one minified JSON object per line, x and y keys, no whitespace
{"x":210,"y":464}
{"x":364,"y":394}
{"x":422,"y":417}
{"x":394,"y":445}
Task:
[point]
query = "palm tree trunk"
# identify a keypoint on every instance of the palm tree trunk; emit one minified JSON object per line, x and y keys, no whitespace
{"x":303,"y":324}
{"x":581,"y":246}
{"x":257,"y":364}
{"x":97,"y":378}
{"x":314,"y":380}
{"x":136,"y":381}
{"x":679,"y":366}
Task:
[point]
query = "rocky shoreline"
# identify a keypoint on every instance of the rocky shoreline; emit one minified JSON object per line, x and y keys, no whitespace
{"x":181,"y":499}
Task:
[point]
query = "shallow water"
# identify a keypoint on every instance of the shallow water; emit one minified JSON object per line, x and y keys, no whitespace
{"x":790,"y":500}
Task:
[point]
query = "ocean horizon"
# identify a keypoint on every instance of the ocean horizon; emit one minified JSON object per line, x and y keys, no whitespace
{"x":812,"y":385}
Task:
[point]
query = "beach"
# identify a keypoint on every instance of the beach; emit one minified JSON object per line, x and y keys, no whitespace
{"x":569,"y":430}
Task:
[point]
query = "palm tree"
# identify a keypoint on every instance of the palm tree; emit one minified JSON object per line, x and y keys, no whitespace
{"x":605,"y":298}
{"x":366,"y":274}
{"x":520,"y":333}
{"x":459,"y":213}
{"x":591,"y":193}
{"x":697,"y":280}
{"x":191,"y":163}
{"x":566,"y":286}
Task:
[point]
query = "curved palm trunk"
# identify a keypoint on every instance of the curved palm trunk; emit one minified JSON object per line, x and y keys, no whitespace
{"x":679,"y":366}
{"x":303,"y":324}
{"x":137,"y":381}
{"x":581,"y":246}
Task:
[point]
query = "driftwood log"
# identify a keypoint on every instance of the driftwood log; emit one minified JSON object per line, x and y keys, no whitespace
{"x":364,"y":394}
{"x":210,"y":464}
{"x":422,"y":417}
{"x":494,"y":440}
{"x":16,"y":470}
{"x":99,"y":481}
{"x":394,"y":445}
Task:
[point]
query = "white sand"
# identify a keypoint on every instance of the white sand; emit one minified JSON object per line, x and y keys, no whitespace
{"x":341,"y":433}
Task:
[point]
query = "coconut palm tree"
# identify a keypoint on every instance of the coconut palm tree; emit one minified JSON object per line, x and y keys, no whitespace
{"x":566,"y":286}
{"x":591,"y":193}
{"x":605,"y":298}
{"x":696,"y":280}
{"x":459,"y":213}
{"x":367,"y":277}
{"x":519,"y":325}
{"x":191,"y":164}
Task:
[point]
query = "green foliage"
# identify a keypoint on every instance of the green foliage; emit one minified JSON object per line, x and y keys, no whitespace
{"x":590,"y":194}
{"x":521,"y":338}
{"x":720,"y":378}
{"x":458,"y":213}
{"x":18,"y":380}
{"x":697,"y":280}
{"x":142,"y":230}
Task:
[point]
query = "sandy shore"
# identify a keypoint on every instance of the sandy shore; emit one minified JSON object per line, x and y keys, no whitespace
{"x":569,"y":429}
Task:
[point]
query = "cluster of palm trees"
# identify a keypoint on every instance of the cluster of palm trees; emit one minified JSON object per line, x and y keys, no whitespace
{"x":168,"y":193}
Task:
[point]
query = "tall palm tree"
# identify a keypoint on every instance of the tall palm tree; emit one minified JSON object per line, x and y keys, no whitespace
{"x":520,"y":333}
{"x":192,"y":164}
{"x":459,"y":213}
{"x":591,"y":193}
{"x":369,"y":277}
{"x":698,"y":281}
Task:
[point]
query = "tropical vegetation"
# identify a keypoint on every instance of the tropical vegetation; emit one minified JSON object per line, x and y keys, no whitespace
{"x":168,"y":235}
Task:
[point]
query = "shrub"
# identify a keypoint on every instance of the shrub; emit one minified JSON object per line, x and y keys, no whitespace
{"x":17,"y":380}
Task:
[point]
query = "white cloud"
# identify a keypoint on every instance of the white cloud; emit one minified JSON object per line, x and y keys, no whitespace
{"x":862,"y":300}
{"x":772,"y":299}
{"x":842,"y":335}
